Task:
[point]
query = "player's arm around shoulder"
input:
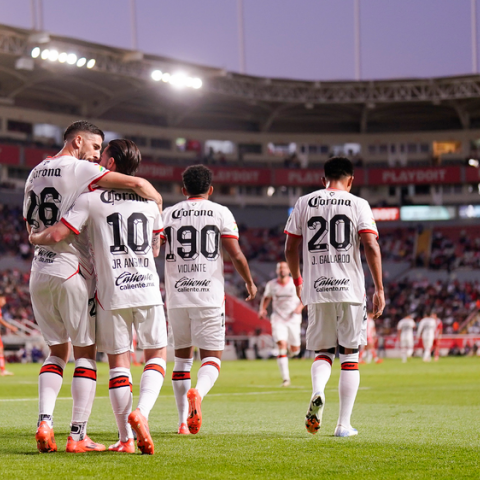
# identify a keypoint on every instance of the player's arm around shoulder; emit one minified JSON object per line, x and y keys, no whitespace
{"x":139,"y":185}
{"x":231,"y":245}
{"x":52,"y":235}
{"x":374,"y":260}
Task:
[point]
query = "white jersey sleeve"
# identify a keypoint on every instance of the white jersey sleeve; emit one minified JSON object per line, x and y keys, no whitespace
{"x":330,"y":222}
{"x":120,"y":225}
{"x":193,"y":252}
{"x":51,"y":189}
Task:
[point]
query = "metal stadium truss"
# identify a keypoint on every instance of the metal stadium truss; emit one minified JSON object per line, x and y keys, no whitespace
{"x":119,"y":86}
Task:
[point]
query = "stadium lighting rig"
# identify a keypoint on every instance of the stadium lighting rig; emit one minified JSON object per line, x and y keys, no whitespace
{"x":178,"y":80}
{"x":53,"y":55}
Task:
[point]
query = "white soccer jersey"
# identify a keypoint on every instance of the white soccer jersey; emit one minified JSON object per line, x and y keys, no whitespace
{"x":193,"y":252}
{"x":120,"y":225}
{"x":406,"y":326}
{"x":330,"y":222}
{"x":426,"y":327}
{"x":51,"y":189}
{"x":284,"y":298}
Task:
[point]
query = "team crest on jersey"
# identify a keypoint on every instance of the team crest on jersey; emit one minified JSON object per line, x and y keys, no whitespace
{"x":332,"y":194}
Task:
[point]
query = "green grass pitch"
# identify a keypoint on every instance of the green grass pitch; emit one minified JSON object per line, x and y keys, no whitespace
{"x":415,"y":421}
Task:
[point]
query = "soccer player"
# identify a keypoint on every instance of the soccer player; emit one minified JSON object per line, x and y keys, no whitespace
{"x":405,"y":328}
{"x":124,"y":231}
{"x":286,"y":317}
{"x":58,"y":289}
{"x":329,"y":225}
{"x":369,"y":350}
{"x":438,"y":336}
{"x":3,"y":302}
{"x":196,"y":229}
{"x":426,"y":331}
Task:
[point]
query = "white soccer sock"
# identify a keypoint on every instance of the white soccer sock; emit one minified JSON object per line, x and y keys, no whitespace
{"x":181,"y":385}
{"x":84,"y":385}
{"x":120,"y":392}
{"x":207,"y":375}
{"x":282,"y":361}
{"x":321,"y":371}
{"x":348,"y":387}
{"x":49,"y":383}
{"x":151,"y":384}
{"x":404,"y":355}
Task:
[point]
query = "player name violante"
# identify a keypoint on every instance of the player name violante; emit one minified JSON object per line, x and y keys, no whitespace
{"x":321,"y":259}
{"x":192,"y":268}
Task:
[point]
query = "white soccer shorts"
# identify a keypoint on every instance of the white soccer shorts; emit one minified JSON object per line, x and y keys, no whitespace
{"x":332,"y":322}
{"x":427,"y":341}
{"x":203,"y":327}
{"x":61,"y":309}
{"x":115,"y":334}
{"x":286,"y":330}
{"x":406,"y":342}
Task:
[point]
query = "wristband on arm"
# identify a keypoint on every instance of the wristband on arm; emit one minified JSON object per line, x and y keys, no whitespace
{"x":298,"y":281}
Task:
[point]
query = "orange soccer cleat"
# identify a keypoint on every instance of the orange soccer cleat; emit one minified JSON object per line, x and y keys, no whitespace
{"x":45,"y":438}
{"x":83,"y":446}
{"x":140,"y":425}
{"x":194,"y":419}
{"x":183,"y":429}
{"x":123,"y":447}
{"x":313,"y":419}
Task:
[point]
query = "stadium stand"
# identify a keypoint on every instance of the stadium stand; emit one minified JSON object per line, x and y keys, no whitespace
{"x":266,"y":141}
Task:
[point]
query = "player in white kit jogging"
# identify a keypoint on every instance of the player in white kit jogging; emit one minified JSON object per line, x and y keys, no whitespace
{"x":195,"y":232}
{"x":286,"y":317}
{"x":124,"y":231}
{"x":329,"y":225}
{"x":405,"y":328}
{"x":426,"y":331}
{"x":58,"y":288}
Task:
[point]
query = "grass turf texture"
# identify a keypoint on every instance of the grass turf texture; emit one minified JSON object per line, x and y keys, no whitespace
{"x":415,"y":421}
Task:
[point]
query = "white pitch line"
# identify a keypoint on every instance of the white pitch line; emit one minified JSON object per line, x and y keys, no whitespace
{"x":238,"y":394}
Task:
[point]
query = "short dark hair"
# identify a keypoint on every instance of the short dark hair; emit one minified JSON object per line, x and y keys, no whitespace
{"x":338,"y":167}
{"x":82,"y":126}
{"x":197,"y":179}
{"x":126,"y":154}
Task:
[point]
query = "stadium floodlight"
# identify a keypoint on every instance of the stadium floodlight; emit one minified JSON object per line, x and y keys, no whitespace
{"x":196,"y":83}
{"x":156,"y":75}
{"x":473,"y":162}
{"x":81,"y":62}
{"x":91,"y":63}
{"x":62,"y":58}
{"x":166,"y":77}
{"x":71,"y":59}
{"x":178,"y":80}
{"x":45,"y":54}
{"x":36,"y":52}
{"x":53,"y":55}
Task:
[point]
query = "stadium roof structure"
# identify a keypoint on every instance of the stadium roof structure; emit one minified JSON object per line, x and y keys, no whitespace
{"x":120,"y":87}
